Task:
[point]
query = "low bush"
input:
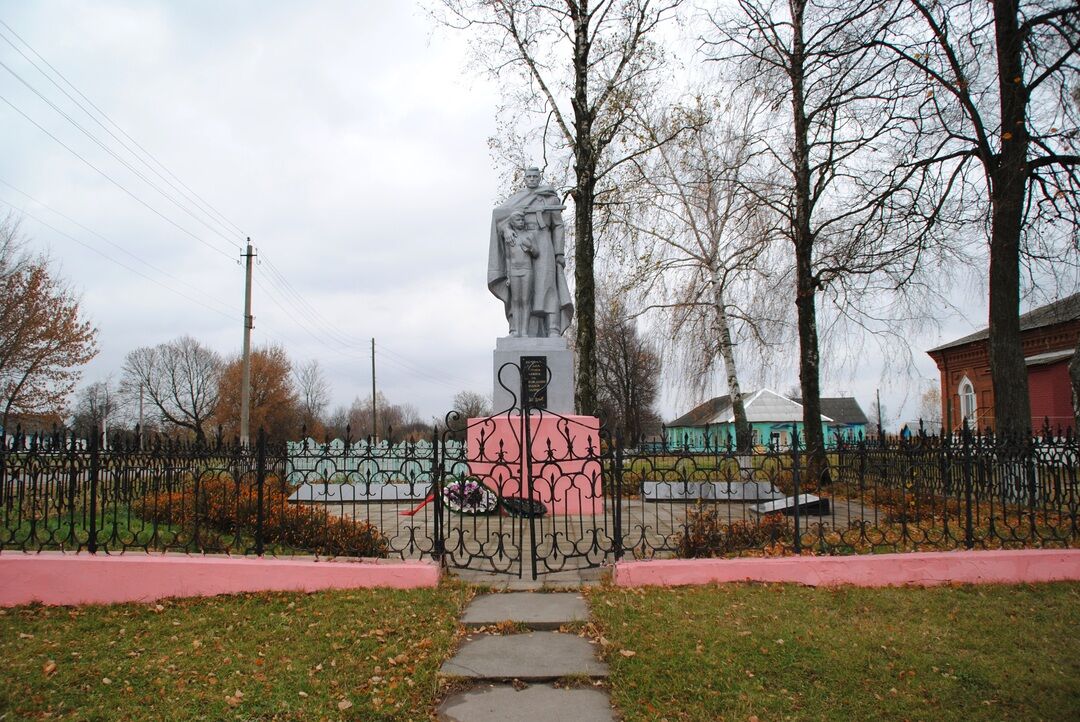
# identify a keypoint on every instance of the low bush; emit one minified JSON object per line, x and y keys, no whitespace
{"x":231,"y":506}
{"x":706,"y":534}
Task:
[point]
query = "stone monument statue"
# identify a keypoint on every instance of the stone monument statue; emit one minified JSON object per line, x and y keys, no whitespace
{"x":534,"y":366}
{"x":526,"y":263}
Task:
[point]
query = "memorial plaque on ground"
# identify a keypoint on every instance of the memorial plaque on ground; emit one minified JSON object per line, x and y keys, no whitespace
{"x":534,"y":379}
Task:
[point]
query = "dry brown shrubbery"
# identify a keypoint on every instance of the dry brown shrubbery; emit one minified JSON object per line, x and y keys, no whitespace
{"x":706,"y":534}
{"x":221,"y":503}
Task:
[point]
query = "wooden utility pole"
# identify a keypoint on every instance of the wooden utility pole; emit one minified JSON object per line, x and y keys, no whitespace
{"x":880,"y":433}
{"x":374,"y":414}
{"x":245,"y":367}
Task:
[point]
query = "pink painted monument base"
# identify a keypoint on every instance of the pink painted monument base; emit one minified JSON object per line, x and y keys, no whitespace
{"x":565,"y":468}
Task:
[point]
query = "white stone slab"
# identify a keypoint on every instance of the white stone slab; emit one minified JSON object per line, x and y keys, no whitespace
{"x":788,"y":503}
{"x":346,"y":493}
{"x":711,"y":490}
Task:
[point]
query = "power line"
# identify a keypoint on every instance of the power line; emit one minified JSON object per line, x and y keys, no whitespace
{"x":307,"y":310}
{"x":195,"y":198}
{"x":110,"y":242}
{"x":114,"y":181}
{"x":322,"y":342}
{"x":117,"y":262}
{"x":113,"y":153}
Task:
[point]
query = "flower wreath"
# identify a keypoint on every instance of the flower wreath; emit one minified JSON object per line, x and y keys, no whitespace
{"x":469,"y":496}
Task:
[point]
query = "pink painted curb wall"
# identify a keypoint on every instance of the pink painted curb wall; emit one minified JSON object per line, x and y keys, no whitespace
{"x":1013,"y":566}
{"x":55,"y":578}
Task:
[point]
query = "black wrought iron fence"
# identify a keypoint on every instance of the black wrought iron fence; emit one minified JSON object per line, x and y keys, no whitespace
{"x":121,"y":494}
{"x":961,"y":491}
{"x":436,"y":498}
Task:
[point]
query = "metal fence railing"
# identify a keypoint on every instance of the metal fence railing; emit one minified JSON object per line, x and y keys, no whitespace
{"x":959,"y":491}
{"x":965,"y":490}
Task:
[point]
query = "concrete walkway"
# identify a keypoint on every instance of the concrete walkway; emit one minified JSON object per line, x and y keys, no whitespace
{"x":539,"y":674}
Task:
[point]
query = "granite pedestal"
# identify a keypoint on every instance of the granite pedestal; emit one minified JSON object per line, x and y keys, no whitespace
{"x":560,"y":365}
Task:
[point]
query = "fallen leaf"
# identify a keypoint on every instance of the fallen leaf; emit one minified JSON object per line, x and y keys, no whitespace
{"x":49,"y":669}
{"x":627,"y":652}
{"x":302,"y":694}
{"x":344,"y":705}
{"x":106,"y":680}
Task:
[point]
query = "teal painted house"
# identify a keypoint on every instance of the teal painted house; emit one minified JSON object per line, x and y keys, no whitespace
{"x":772,"y":418}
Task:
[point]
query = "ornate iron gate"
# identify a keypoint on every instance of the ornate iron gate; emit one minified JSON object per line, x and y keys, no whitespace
{"x":528,"y":493}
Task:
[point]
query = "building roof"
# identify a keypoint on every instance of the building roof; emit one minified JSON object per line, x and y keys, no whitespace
{"x":842,"y":410}
{"x":700,"y":414}
{"x":1060,"y":311}
{"x":764,"y":406}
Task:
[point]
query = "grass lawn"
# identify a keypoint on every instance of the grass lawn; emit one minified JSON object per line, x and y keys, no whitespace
{"x":768,"y":652}
{"x":356,"y":654}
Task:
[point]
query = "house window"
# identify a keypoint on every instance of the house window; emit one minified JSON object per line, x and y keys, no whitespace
{"x":967,"y":402}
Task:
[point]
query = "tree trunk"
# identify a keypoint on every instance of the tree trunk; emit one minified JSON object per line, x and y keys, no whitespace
{"x":1008,"y":178}
{"x":743,"y":432}
{"x":803,"y":237}
{"x":583,"y":193}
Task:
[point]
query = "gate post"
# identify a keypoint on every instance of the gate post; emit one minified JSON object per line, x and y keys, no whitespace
{"x":795,"y":484}
{"x":438,"y":542}
{"x":969,"y":526}
{"x":526,"y":471}
{"x":260,"y":483}
{"x":91,"y":541}
{"x":617,"y":548}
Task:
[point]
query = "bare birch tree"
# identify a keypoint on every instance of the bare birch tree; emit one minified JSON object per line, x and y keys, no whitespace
{"x":572,"y":69}
{"x":701,"y":237}
{"x":833,"y":104}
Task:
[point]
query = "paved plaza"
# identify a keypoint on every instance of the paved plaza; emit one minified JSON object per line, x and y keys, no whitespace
{"x":494,"y":542}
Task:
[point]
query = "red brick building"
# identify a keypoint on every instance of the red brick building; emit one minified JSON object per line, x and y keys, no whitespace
{"x":1049,"y":335}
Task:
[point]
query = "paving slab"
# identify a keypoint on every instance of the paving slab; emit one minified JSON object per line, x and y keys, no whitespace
{"x":533,"y":657}
{"x":503,"y":703}
{"x":565,"y":580}
{"x":535,"y":610}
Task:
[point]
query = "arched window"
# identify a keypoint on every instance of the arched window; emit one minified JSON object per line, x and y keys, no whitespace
{"x":967,"y":402}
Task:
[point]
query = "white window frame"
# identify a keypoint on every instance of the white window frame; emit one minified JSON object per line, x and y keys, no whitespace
{"x":969,"y":405}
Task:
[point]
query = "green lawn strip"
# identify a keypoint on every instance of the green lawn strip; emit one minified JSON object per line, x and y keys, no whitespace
{"x":790,"y":652}
{"x":354,"y":654}
{"x":117,"y":528}
{"x":120,"y":529}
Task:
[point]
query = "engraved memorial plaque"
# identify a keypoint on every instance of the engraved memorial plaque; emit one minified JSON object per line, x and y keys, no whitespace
{"x":534,"y":378}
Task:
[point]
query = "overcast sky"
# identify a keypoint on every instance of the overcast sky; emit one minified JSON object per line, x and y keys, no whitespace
{"x":347,"y":139}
